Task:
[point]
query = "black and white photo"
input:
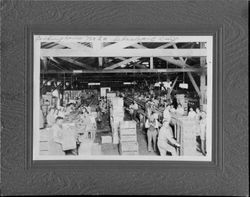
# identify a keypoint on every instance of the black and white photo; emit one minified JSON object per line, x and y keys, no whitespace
{"x":122,"y":97}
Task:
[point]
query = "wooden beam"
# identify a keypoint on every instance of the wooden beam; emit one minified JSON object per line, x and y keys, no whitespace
{"x":77,"y":63}
{"x":178,"y":63}
{"x":75,"y":45}
{"x":45,"y":63}
{"x":133,"y":58}
{"x":194,"y":83}
{"x":151,"y":63}
{"x":98,"y":46}
{"x":202,"y":79}
{"x":124,"y":53}
{"x":171,"y":70}
{"x":119,"y":45}
{"x":175,"y":47}
{"x":172,"y":87}
{"x":121,"y":63}
{"x":53,"y":59}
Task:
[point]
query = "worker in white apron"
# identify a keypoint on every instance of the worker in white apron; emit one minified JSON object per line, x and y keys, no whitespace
{"x":51,"y":117}
{"x":152,"y":126}
{"x":56,"y":145}
{"x":166,"y":142}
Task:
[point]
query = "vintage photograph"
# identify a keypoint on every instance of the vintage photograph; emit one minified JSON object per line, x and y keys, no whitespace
{"x":122,"y":97}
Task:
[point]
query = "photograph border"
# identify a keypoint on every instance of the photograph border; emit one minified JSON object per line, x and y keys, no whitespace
{"x":217,"y":89}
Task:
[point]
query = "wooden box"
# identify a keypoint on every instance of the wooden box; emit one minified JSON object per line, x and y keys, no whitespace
{"x":128,"y":148}
{"x":128,"y":125}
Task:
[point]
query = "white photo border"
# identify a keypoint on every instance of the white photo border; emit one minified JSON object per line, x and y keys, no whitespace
{"x":37,"y":39}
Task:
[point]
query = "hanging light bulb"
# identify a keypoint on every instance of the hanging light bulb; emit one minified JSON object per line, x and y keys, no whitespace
{"x":183,"y":85}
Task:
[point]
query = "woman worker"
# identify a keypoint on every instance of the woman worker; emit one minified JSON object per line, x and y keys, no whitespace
{"x":166,"y":141}
{"x":152,"y":126}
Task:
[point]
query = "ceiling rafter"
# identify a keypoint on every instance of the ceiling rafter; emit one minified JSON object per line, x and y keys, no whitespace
{"x":77,"y":63}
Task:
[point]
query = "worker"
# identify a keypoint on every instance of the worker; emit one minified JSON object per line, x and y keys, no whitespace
{"x":151,"y":125}
{"x":166,"y":113}
{"x":69,"y":108}
{"x":86,"y":120}
{"x":172,"y":109}
{"x":180,"y":110}
{"x":203,"y":127}
{"x":191,"y":114}
{"x":148,"y":108}
{"x":198,"y":113}
{"x":133,"y":110}
{"x":166,"y":142}
{"x":61,"y":112}
{"x":51,"y":117}
{"x":197,"y":120}
{"x":98,"y":111}
{"x":42,"y":122}
{"x":174,"y":101}
{"x":57,"y":129}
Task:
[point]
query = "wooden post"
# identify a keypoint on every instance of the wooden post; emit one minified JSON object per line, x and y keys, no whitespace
{"x":98,"y":46}
{"x":100,"y":61}
{"x":151,"y":63}
{"x":202,"y":80}
{"x":45,"y":63}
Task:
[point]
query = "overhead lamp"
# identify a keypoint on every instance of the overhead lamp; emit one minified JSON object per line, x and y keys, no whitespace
{"x":93,"y":84}
{"x":127,"y":83}
{"x":183,"y":85}
{"x":157,"y":84}
{"x":67,"y":83}
{"x":123,"y":65}
{"x":49,"y":83}
{"x":77,"y":71}
{"x":58,"y":83}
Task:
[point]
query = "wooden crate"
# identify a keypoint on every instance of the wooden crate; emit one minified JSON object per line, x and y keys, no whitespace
{"x":127,"y":131}
{"x":128,"y":124}
{"x":185,"y":133}
{"x":128,"y":138}
{"x":117,"y":102}
{"x":129,"y":148}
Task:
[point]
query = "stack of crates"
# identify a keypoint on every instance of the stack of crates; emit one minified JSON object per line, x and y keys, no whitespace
{"x":186,"y":130}
{"x":128,"y":138}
